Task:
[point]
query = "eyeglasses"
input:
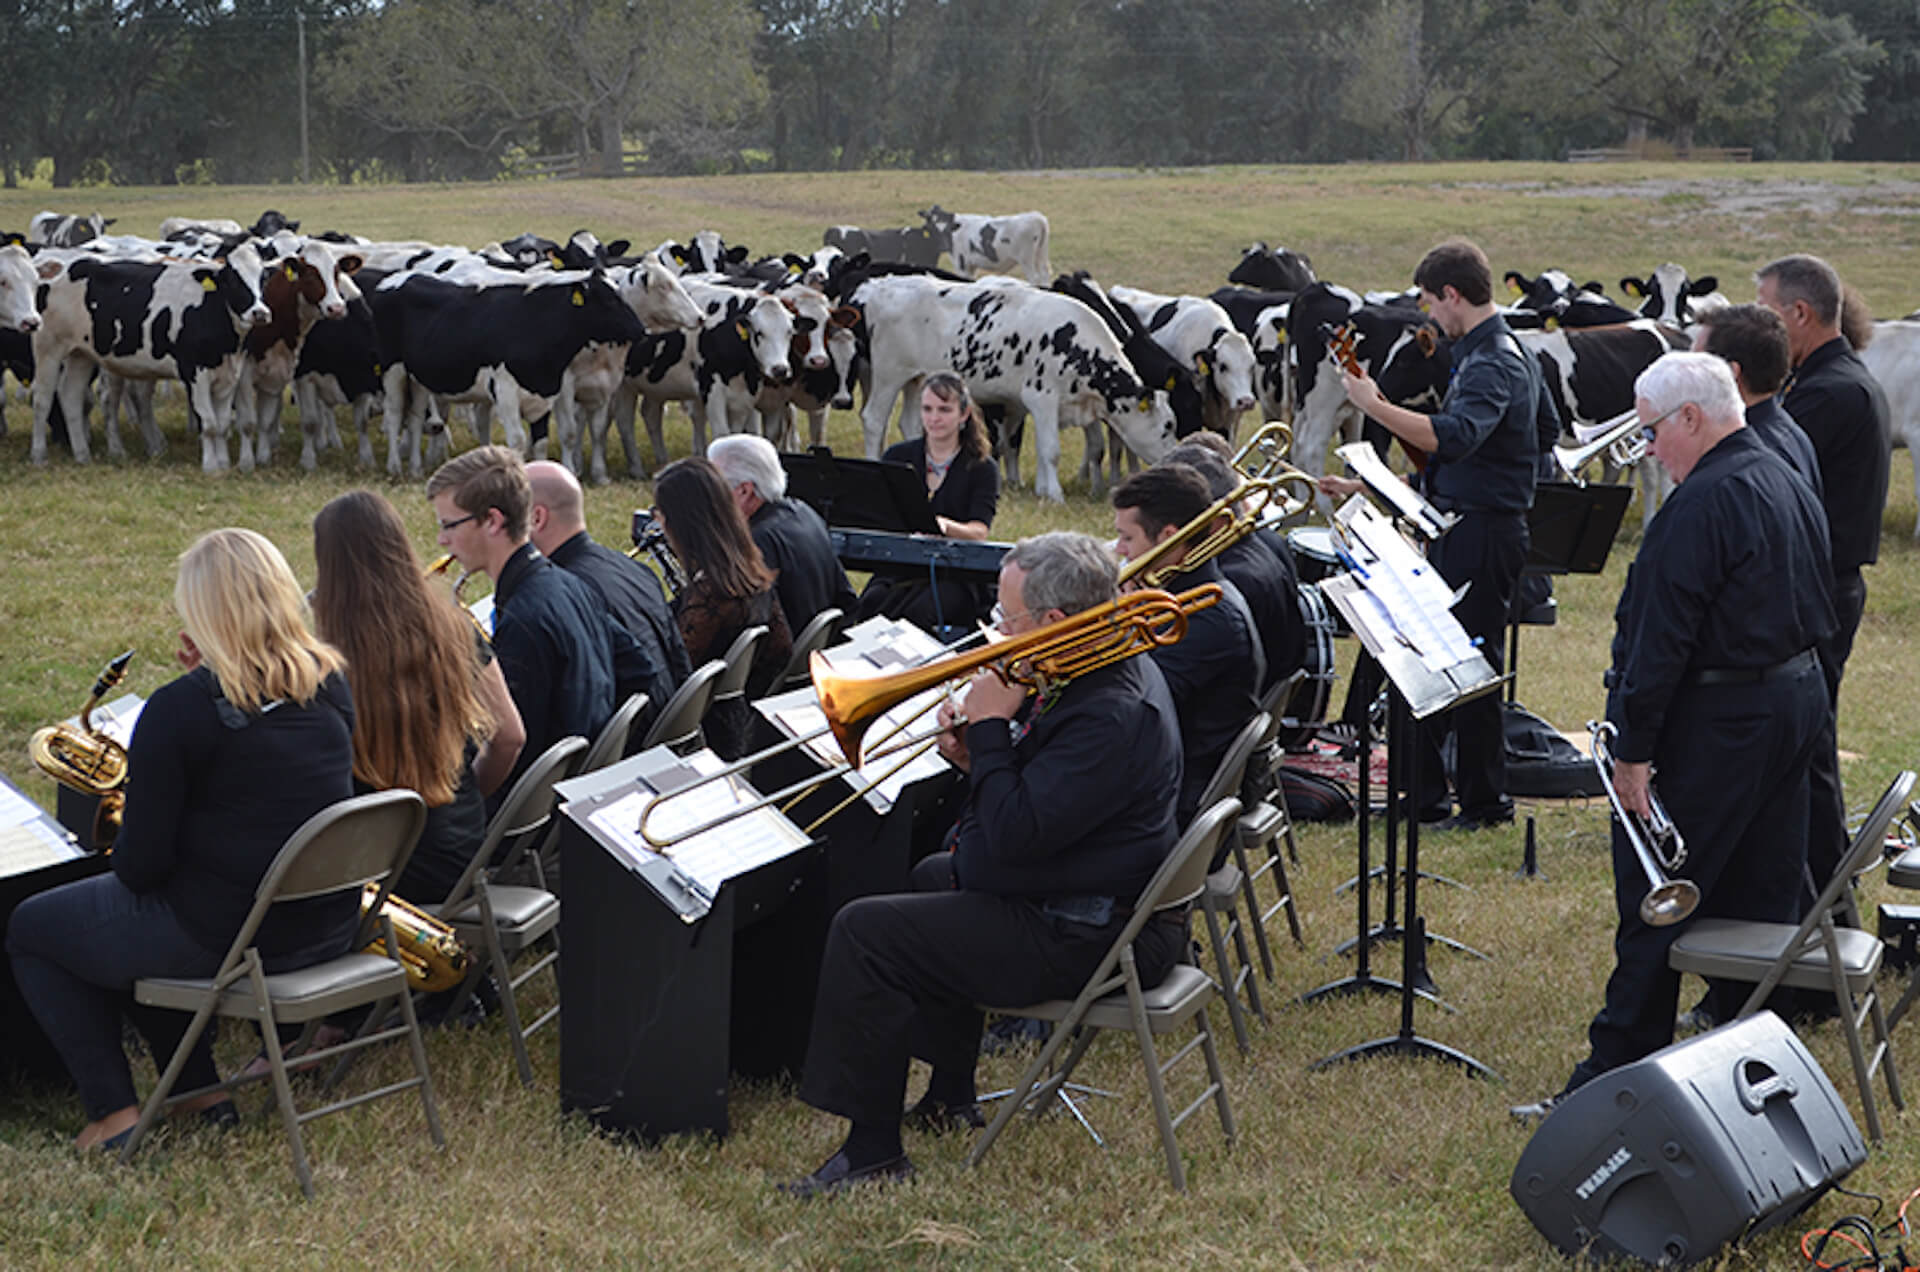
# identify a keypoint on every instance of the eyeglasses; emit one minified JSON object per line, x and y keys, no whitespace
{"x":1652,"y":426}
{"x":1000,"y":617}
{"x":457,"y":522}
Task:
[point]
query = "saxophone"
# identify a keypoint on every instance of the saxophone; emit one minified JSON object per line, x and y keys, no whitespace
{"x":85,"y":759}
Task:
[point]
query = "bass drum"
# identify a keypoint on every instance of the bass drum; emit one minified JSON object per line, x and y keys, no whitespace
{"x":1310,"y":698}
{"x":1313,"y":554}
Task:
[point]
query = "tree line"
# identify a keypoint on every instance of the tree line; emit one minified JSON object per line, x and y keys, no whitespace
{"x":184,"y":91}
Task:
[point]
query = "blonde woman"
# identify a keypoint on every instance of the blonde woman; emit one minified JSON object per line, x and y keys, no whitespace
{"x":226,"y":762}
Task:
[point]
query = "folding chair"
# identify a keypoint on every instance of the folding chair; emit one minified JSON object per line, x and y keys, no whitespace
{"x":737,"y":664}
{"x":1903,"y":871}
{"x":498,"y":920}
{"x":678,"y":724}
{"x":814,"y":636}
{"x":615,"y":734}
{"x":342,"y":848}
{"x":1114,"y":998}
{"x":1817,"y":953}
{"x":1226,"y":886}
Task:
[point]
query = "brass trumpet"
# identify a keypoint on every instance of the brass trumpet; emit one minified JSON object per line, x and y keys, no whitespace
{"x":1244,"y":508}
{"x":85,"y":759}
{"x":1619,"y":437}
{"x":1655,"y":839}
{"x":434,"y":957}
{"x":1042,"y":660}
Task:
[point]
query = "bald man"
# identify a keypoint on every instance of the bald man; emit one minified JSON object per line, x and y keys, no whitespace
{"x":557,"y":524}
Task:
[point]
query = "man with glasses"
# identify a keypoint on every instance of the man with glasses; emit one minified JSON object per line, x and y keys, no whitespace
{"x":1483,"y":446}
{"x":1068,"y":814}
{"x":1715,"y":689}
{"x":791,"y":536}
{"x":567,"y":664}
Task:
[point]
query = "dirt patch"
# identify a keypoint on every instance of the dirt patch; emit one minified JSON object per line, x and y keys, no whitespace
{"x":1738,"y":196}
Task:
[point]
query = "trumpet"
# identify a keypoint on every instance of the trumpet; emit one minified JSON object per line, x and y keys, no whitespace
{"x":1656,"y":841}
{"x":1245,"y":509}
{"x":1620,"y":438}
{"x":1042,"y":660}
{"x":85,"y":759}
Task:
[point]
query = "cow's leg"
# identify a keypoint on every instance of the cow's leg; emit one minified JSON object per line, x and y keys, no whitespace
{"x":697,"y":420}
{"x":396,"y":416}
{"x":626,"y":399}
{"x":876,"y":413}
{"x":653,"y":414}
{"x":46,"y":390}
{"x":505,"y":395}
{"x":271,"y":405}
{"x":817,"y":427}
{"x":113,"y":397}
{"x":306,"y":406}
{"x":1046,"y":446}
{"x":139,"y":396}
{"x":246,"y":413}
{"x":213,"y":423}
{"x":363,"y":424}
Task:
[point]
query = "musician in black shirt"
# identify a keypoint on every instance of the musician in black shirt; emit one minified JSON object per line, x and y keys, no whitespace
{"x":1715,"y":688}
{"x":1068,"y":813}
{"x":1753,"y":341}
{"x":791,"y":536}
{"x":1835,"y":399}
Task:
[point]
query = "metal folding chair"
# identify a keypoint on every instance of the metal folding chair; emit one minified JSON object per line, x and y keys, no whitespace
{"x":814,"y":636}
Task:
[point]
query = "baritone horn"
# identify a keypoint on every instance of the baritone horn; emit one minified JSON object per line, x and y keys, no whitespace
{"x":1244,"y":508}
{"x":1042,"y":660}
{"x":85,"y":759}
{"x":1620,"y":438}
{"x":1655,"y":839}
{"x":434,"y":957}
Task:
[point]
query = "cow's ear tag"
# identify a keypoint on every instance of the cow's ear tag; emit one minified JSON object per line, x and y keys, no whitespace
{"x":1172,"y":379}
{"x":745,"y":332}
{"x":1200,"y":364}
{"x":207,"y":283}
{"x":792,"y":269}
{"x":579,"y":297}
{"x":1513,"y":285}
{"x":1552,"y":323}
{"x":1146,"y":401}
{"x":1280,"y":334}
{"x":293,"y":275}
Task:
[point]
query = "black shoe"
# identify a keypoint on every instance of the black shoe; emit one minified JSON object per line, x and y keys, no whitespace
{"x":1010,"y":1033}
{"x":224,"y":1116}
{"x":1464,"y":821}
{"x":938,"y":1118}
{"x":1697,"y":1021}
{"x":1528,"y":1114}
{"x":1429,"y":815}
{"x":837,"y":1174}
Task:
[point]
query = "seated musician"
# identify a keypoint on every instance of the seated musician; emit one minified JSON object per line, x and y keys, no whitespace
{"x":1715,"y":689}
{"x":963,"y":490}
{"x":1215,"y":673}
{"x":1266,"y":582}
{"x":225,"y":763}
{"x":432,"y":711}
{"x":729,"y":588}
{"x":567,"y":664}
{"x":791,"y":536}
{"x":557,"y":524}
{"x":1068,"y":814}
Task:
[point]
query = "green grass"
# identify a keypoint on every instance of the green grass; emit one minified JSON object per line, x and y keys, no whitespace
{"x":1390,"y":1165}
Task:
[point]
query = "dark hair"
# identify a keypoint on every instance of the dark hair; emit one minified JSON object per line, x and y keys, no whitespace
{"x":1164,"y":495}
{"x":1753,"y":336}
{"x":949,"y":387}
{"x":1856,"y":317}
{"x":1460,"y":265}
{"x":1214,"y":470}
{"x":706,"y":529}
{"x":1807,"y":278}
{"x":487,"y":477}
{"x":411,"y":657}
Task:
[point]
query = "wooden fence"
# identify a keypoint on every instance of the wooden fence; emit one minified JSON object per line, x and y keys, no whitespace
{"x":572,"y":166}
{"x":1698,"y":154}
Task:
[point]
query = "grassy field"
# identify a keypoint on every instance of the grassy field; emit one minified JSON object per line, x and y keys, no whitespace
{"x":1390,"y":1165}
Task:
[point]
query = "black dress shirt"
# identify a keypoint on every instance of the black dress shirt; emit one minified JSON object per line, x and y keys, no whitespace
{"x":1732,"y":575}
{"x":793,"y":540}
{"x":969,"y":492}
{"x":633,"y":595}
{"x":1772,"y":425}
{"x":1841,"y":407}
{"x":1488,"y":427}
{"x":1271,"y":590}
{"x":1082,"y":804}
{"x":1215,"y":673}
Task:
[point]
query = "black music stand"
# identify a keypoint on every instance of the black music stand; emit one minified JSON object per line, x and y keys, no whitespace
{"x":860,"y":494}
{"x":1570,"y":530}
{"x":36,"y":853}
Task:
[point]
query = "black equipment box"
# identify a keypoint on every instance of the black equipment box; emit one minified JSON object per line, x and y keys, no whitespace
{"x":1712,"y":1139}
{"x":1900,"y":930}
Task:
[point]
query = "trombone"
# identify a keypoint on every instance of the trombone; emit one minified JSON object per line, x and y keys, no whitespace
{"x":1042,"y":660}
{"x":1656,"y":841}
{"x":1245,"y":508}
{"x":1270,"y":444}
{"x":1619,"y":437}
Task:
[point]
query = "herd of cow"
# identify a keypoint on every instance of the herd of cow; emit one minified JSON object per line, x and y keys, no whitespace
{"x":582,"y":335}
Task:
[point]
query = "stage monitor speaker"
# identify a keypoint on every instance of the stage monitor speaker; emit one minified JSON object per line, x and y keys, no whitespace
{"x":1666,"y":1160}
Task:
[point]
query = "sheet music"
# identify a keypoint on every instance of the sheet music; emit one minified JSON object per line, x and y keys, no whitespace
{"x":482,"y":609}
{"x":1405,"y":599}
{"x":117,"y":718}
{"x":29,"y":839}
{"x":803,"y":718}
{"x":1370,"y":468}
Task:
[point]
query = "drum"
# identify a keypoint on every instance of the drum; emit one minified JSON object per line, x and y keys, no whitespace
{"x":1313,"y":553}
{"x":1310,"y":698}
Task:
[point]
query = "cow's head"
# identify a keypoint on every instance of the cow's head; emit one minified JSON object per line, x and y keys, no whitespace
{"x":940,"y":224}
{"x":812,"y":319}
{"x":1227,"y":364}
{"x":767,"y":326}
{"x":1668,"y":293}
{"x":19,"y":281}
{"x":1271,"y":269}
{"x":657,"y":296}
{"x":272,"y":223}
{"x":240,"y":283}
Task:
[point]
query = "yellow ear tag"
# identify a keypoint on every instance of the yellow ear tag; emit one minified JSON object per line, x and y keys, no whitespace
{"x":745,"y":332}
{"x":792,"y":269}
{"x":1146,"y":401}
{"x":293,"y":275}
{"x":1513,"y":286}
{"x":1280,"y":334}
{"x":1200,"y":364}
{"x":1172,"y":379}
{"x":207,"y":284}
{"x":579,"y":297}
{"x":1552,"y":324}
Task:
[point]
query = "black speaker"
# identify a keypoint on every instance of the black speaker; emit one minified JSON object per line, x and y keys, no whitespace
{"x":1666,"y":1160}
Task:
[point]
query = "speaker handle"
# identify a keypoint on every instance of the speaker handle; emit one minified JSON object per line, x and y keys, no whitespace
{"x":1754,"y":1095}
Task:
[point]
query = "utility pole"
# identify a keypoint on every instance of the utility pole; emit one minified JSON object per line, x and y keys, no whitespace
{"x":306,"y":172}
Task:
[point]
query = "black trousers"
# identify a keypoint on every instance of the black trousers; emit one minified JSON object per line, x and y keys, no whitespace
{"x":1486,"y":551}
{"x":1732,"y":771}
{"x":902,"y":974}
{"x":1827,"y":830}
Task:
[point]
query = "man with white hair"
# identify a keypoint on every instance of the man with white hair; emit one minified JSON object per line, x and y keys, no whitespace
{"x":790,"y":535}
{"x":1715,"y":686}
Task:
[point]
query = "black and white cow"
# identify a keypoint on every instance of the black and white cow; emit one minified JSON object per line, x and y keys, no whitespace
{"x":993,"y":244}
{"x":306,"y":282}
{"x":584,"y":251}
{"x":914,"y":245}
{"x":19,"y":316}
{"x":1893,"y":356}
{"x":52,"y":229}
{"x":1557,"y":302}
{"x":815,"y":386}
{"x":339,"y":366}
{"x":707,"y":253}
{"x":213,"y":224}
{"x":147,"y":320}
{"x":1016,"y":345}
{"x":1198,"y":333}
{"x":1669,"y":296}
{"x":1402,"y":351}
{"x":1270,"y":269}
{"x":271,"y":223}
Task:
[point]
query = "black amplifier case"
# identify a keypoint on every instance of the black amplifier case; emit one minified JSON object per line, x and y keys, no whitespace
{"x":1666,"y":1160}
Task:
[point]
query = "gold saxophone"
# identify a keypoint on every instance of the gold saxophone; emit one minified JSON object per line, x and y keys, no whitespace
{"x":85,"y":759}
{"x":434,"y":957}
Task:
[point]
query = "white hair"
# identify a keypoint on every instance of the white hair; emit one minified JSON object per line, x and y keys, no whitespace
{"x":745,"y":457}
{"x":1700,"y":378}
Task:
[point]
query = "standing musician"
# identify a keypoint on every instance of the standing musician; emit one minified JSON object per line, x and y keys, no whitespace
{"x":1835,"y":399}
{"x":1752,"y":340}
{"x":1715,"y":687}
{"x":567,"y":663}
{"x":225,"y":763}
{"x":1484,"y":444}
{"x":1216,"y":671}
{"x":963,"y":489}
{"x":557,"y":525}
{"x":791,"y":536}
{"x":1068,"y":814}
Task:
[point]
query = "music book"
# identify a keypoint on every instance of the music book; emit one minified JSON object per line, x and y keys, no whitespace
{"x":1407,"y":503}
{"x":29,"y":838}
